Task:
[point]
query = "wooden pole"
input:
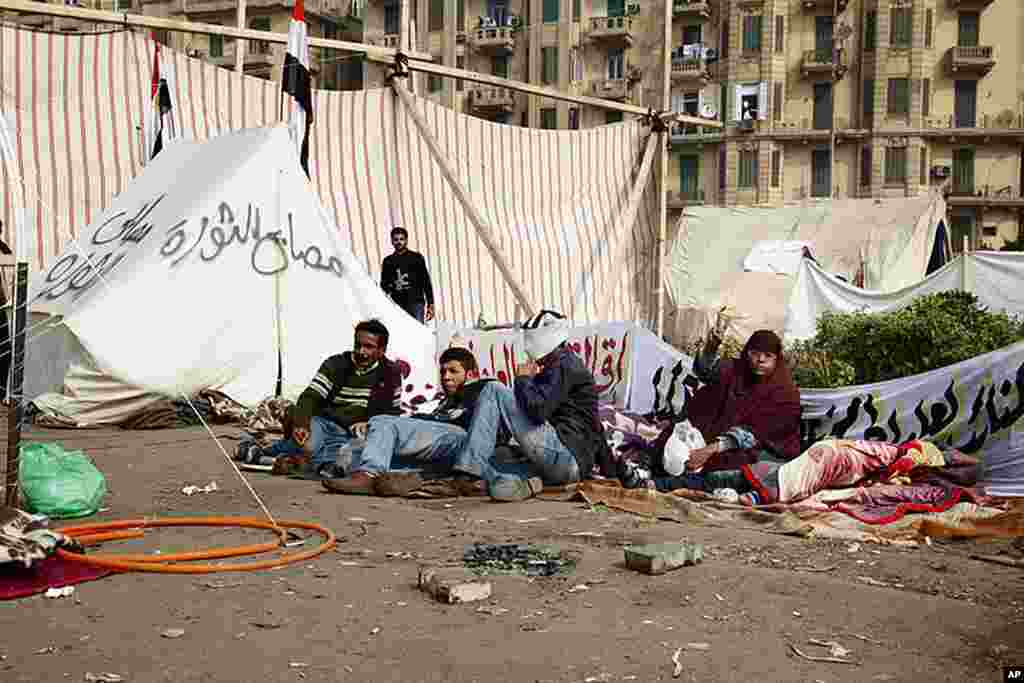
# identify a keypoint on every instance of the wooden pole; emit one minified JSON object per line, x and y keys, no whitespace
{"x":419,"y":61}
{"x":240,"y":45}
{"x":483,"y":228}
{"x":663,"y":160}
{"x":15,"y":413}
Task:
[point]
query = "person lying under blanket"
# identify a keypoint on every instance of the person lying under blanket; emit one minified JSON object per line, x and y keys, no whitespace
{"x":747,"y":410}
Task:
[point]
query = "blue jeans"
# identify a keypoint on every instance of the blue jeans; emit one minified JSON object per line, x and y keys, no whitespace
{"x":545,"y":454}
{"x":432,"y":445}
{"x":327,"y":440}
{"x":418,"y":311}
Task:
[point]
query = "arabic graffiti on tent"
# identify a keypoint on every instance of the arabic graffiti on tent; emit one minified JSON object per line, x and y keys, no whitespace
{"x":77,"y":272}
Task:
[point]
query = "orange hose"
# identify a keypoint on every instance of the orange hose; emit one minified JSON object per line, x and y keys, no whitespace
{"x":96,"y":539}
{"x":162,"y":563}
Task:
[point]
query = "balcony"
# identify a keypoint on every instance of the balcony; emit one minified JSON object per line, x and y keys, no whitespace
{"x":259,"y":56}
{"x":969,"y":4}
{"x":613,"y":31}
{"x":686,"y":134}
{"x":1007,"y":125}
{"x":680,"y":200}
{"x":972,"y":60}
{"x":823,"y":5}
{"x":691,"y":10}
{"x":611,"y":88}
{"x":818,"y":64}
{"x":693,"y":72}
{"x":496,"y":41}
{"x":487,"y":99}
{"x":1008,"y":197}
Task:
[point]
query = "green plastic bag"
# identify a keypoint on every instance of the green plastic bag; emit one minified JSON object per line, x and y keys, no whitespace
{"x":58,"y":483}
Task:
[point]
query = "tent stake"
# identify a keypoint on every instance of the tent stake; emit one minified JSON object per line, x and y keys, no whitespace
{"x":483,"y":228}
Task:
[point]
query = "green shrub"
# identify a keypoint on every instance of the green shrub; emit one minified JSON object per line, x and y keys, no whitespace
{"x":932,"y":332}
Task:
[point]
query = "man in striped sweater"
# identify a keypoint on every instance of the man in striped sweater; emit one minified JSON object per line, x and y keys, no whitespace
{"x":348,"y":389}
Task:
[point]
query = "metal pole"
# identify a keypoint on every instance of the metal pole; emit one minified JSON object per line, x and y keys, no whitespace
{"x":240,"y":44}
{"x":663,"y":161}
{"x":19,"y":309}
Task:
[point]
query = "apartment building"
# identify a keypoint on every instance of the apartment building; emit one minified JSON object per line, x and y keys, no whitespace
{"x":843,"y":98}
{"x":325,"y":18}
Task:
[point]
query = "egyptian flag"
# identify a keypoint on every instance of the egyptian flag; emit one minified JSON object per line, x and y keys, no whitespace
{"x":296,"y":83}
{"x":160,"y":95}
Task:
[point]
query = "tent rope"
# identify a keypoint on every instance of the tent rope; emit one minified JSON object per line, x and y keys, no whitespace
{"x":400,"y":68}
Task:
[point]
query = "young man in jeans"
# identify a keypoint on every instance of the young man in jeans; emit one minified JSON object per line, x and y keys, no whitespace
{"x":551,"y":413}
{"x":432,"y":439}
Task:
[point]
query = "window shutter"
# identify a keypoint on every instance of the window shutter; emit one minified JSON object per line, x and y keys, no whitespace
{"x":677,"y":104}
{"x":737,"y":103}
{"x":777,"y":101}
{"x":762,"y":101}
{"x":700,"y":102}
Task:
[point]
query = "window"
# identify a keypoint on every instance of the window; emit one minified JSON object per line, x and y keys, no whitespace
{"x":433,"y":83}
{"x":692,"y":35}
{"x":896,"y":165}
{"x":865,"y":167}
{"x":777,"y":100}
{"x":460,"y":63}
{"x":821,"y":173}
{"x":721,"y":170}
{"x":780,"y":32}
{"x":216,"y":45}
{"x":724,"y":43}
{"x":869,"y":96}
{"x":750,"y":102}
{"x":613,"y":117}
{"x":549,"y":65}
{"x":616,"y":64}
{"x":549,"y":119}
{"x":923,"y":170}
{"x":258,"y":46}
{"x":550,"y":11}
{"x":901,"y":28}
{"x":616,"y":8}
{"x":435,"y":18}
{"x":776,"y":168}
{"x":871,"y":30}
{"x":899,"y":96}
{"x":499,"y":67}
{"x":460,"y":15}
{"x":965,"y":103}
{"x":963,"y":171}
{"x":752,"y":32}
{"x":929,"y":25}
{"x":926,"y":97}
{"x":689,"y":177}
{"x":392,"y":17}
{"x":748,"y":169}
{"x":822,"y":106}
{"x":574,"y":118}
{"x":968,"y":29}
{"x":577,"y":9}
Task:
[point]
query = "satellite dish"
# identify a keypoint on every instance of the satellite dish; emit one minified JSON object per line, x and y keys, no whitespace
{"x":708,"y":111}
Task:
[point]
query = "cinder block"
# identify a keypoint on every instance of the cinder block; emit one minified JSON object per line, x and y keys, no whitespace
{"x":453,"y":585}
{"x":663,"y":557}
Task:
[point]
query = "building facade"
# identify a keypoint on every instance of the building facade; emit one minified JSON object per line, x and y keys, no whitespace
{"x":820,"y":98}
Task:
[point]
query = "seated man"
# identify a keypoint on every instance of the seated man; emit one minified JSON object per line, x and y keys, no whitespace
{"x":432,"y":439}
{"x":552,"y":414}
{"x":348,"y":390}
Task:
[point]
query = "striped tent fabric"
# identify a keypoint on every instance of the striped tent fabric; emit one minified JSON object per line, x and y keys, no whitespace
{"x":77,"y":111}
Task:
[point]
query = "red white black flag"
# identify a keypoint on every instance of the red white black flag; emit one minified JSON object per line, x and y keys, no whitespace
{"x":160,"y":95}
{"x":296,"y":82}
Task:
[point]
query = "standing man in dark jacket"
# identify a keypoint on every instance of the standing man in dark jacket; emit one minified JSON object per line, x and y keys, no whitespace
{"x":552,"y":413}
{"x":348,"y":390}
{"x":404,"y":278}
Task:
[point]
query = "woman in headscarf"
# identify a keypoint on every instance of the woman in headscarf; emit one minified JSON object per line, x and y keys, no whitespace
{"x":748,"y":410}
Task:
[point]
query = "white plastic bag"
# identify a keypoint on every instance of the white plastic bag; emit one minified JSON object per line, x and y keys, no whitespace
{"x":685,"y":439}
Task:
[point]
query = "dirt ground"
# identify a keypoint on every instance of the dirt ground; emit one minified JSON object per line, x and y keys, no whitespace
{"x":355,"y":614}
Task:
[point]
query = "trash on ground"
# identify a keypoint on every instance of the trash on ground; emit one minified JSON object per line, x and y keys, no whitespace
{"x":703,"y":647}
{"x":453,"y":585}
{"x":579,"y":588}
{"x":193,"y":490}
{"x":65,"y":592}
{"x":516,"y":558}
{"x":813,"y":658}
{"x":103,"y":678}
{"x":663,"y":557}
{"x":678,"y":670}
{"x":173,"y":633}
{"x":834,"y":648}
{"x":493,"y":610}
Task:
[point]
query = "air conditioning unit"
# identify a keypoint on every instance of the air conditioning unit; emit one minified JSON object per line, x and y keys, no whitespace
{"x":710,"y":54}
{"x":941,"y":171}
{"x":633,"y":8}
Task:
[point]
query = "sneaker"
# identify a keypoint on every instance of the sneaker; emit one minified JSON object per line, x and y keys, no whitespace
{"x":356,"y":484}
{"x":397,"y":484}
{"x":510,"y":490}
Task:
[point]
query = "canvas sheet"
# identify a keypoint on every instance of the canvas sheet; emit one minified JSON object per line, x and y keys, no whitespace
{"x":79,"y":115}
{"x":706,"y":264}
{"x":213,"y":260}
{"x":996,"y":278}
{"x":634,"y":370}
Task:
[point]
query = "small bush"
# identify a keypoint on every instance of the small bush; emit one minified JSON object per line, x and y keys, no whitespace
{"x":932,"y":332}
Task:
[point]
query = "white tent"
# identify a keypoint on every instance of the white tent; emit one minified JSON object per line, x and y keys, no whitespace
{"x":747,"y":258}
{"x":215,"y":257}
